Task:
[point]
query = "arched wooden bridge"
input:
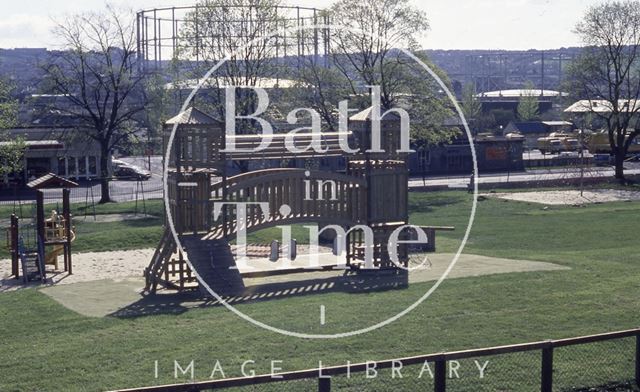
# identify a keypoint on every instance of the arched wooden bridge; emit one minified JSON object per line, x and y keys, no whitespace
{"x":372,"y":192}
{"x":292,"y":196}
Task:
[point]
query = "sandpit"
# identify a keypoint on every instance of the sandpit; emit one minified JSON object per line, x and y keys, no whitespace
{"x":111,"y":283}
{"x":569,"y":197}
{"x":87,"y":267}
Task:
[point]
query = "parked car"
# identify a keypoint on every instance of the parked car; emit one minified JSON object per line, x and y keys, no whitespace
{"x":127,"y":171}
{"x":558,"y":142}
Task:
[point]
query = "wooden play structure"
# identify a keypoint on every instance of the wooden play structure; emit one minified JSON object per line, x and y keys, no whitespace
{"x":34,"y":247}
{"x":373,"y":191}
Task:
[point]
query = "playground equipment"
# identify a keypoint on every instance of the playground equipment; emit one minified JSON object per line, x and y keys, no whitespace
{"x":56,"y":235}
{"x":373,"y":192}
{"x":34,"y":247}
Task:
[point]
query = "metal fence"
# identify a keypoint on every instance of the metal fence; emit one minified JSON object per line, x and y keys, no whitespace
{"x":605,"y":362}
{"x":88,"y":192}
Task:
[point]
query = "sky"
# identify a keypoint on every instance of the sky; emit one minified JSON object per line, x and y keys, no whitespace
{"x":460,"y":24}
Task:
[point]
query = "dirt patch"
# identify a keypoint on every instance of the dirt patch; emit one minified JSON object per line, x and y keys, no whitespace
{"x":571,"y":197}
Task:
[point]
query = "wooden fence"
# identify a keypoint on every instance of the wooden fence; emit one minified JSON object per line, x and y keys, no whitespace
{"x":546,"y":349}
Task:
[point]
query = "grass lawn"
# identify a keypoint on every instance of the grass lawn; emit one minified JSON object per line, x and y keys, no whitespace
{"x":95,"y":236}
{"x":47,"y":347}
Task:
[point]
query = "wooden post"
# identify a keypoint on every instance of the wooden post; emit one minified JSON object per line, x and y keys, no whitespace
{"x":40,"y":214}
{"x":440,"y":376}
{"x":66,"y":212}
{"x":40,"y":239}
{"x":638,"y":359}
{"x":324,"y":384}
{"x":546,"y":382}
{"x":14,"y":233}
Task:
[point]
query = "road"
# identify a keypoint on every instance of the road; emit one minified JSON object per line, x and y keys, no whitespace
{"x":130,"y":190}
{"x":540,"y":175}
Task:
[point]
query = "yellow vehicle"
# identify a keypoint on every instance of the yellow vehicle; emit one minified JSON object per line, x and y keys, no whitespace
{"x":598,"y":143}
{"x":558,"y":142}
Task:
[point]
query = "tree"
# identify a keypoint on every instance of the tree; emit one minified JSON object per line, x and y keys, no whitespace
{"x":471,"y":106}
{"x":216,"y":29}
{"x":607,"y":73}
{"x":529,"y":107}
{"x":159,"y":106}
{"x":367,"y":53}
{"x":98,"y":74}
{"x":11,"y":148}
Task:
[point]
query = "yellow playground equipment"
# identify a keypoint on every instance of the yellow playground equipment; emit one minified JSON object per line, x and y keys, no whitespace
{"x":34,"y":247}
{"x":55,"y":228}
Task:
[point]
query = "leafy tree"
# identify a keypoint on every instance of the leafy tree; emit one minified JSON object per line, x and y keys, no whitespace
{"x":98,"y":74}
{"x":232,"y":29}
{"x":607,"y":73}
{"x":529,"y":106}
{"x":374,"y":58}
{"x":8,"y":106}
{"x":471,"y":106}
{"x":11,"y":148}
{"x":158,"y":111}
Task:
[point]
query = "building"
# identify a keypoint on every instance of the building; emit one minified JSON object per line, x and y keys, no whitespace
{"x":68,"y":152}
{"x":510,"y":99}
{"x":494,"y":154}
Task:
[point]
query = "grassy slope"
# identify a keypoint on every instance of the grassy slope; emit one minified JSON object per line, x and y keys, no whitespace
{"x":46,"y":347}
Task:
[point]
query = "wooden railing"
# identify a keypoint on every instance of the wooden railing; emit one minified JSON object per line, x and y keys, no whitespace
{"x":440,"y":360}
{"x":321,"y":197}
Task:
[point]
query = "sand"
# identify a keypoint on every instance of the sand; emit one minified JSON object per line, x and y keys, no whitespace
{"x":111,"y":283}
{"x":87,"y":267}
{"x":571,"y":197}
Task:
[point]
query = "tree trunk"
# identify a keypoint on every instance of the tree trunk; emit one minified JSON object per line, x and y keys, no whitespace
{"x":619,"y":162}
{"x":105,"y":195}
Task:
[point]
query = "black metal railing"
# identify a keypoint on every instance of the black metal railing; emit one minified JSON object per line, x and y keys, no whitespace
{"x":535,"y":368}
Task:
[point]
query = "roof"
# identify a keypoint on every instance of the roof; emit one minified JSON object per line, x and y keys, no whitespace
{"x":51,"y":181}
{"x":600,"y":106}
{"x":558,"y":123}
{"x":518,"y":93}
{"x":529,"y":127}
{"x":365,"y":115}
{"x":192,"y":116}
{"x":38,"y":144}
{"x":222,"y":82}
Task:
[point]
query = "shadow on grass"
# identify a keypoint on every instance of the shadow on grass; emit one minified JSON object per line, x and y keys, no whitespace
{"x":428,"y":202}
{"x":349,"y":282}
{"x":628,"y":386}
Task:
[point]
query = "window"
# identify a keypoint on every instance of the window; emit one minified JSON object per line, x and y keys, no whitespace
{"x":71,"y":169}
{"x":62,"y":166}
{"x":93,"y":167}
{"x":82,"y":166}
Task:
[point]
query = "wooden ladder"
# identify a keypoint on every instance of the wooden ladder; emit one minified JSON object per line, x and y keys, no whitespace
{"x":163,"y":252}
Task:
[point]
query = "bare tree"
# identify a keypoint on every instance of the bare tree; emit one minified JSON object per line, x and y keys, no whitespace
{"x":98,"y":74}
{"x":607,"y":74}
{"x":367,"y":52}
